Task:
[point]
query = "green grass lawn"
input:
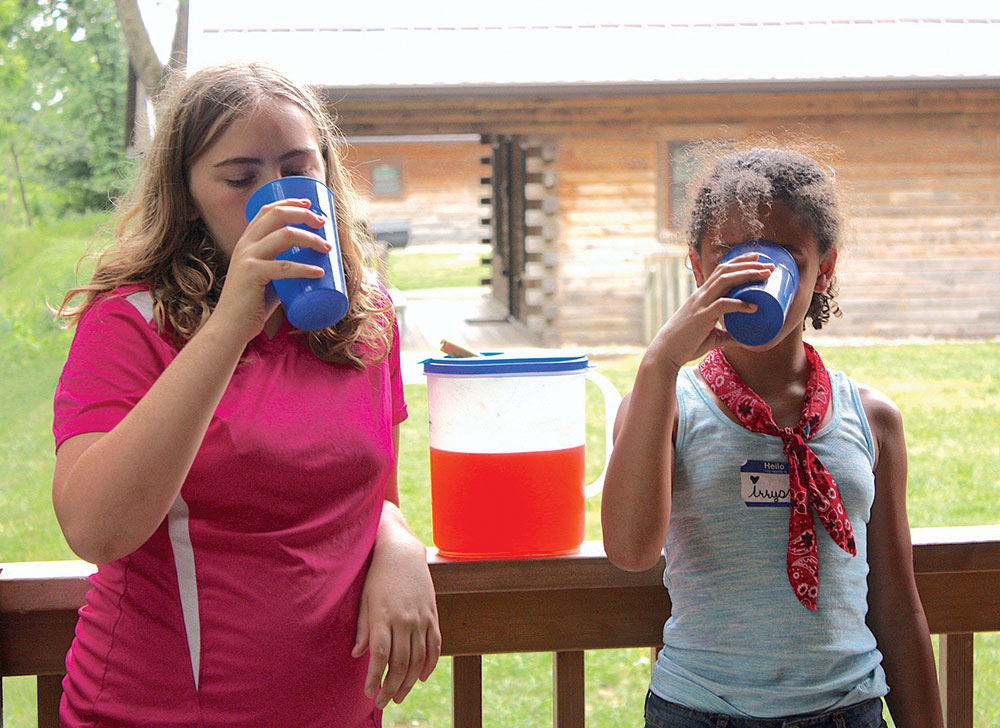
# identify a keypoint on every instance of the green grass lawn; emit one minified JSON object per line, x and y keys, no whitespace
{"x":36,"y":269}
{"x":949,"y":395}
{"x":417,"y":267}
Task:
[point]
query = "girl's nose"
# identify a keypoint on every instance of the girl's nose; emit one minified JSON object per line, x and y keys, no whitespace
{"x":269,"y":175}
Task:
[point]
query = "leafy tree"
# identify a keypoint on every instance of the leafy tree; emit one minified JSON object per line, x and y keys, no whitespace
{"x":15,"y":100}
{"x":62,"y":117}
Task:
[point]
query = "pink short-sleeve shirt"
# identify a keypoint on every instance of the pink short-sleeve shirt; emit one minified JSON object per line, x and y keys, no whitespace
{"x":241,"y":608}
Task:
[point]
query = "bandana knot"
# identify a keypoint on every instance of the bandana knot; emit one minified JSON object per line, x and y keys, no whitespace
{"x":812,"y":488}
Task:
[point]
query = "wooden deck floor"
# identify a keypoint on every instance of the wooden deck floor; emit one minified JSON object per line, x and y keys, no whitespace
{"x":467,"y":316}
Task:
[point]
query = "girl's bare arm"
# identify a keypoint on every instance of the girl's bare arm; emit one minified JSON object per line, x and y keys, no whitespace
{"x":397,"y":619}
{"x":895,"y":613}
{"x":635,"y":505}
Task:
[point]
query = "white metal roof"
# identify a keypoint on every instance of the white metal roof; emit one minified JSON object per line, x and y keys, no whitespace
{"x":461,"y":45}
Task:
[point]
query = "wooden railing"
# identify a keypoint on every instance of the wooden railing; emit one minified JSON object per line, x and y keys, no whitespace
{"x":562,"y":605}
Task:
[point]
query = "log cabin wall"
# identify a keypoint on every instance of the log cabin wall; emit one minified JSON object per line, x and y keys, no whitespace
{"x":438,"y":198}
{"x":504,"y":186}
{"x":607,"y":222}
{"x":921,"y":168}
{"x":923,"y":258}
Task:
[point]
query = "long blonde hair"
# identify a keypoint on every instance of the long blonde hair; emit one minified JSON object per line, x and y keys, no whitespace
{"x":157,"y":245}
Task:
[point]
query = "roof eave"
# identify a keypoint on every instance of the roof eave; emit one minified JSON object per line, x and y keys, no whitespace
{"x":638,"y":88}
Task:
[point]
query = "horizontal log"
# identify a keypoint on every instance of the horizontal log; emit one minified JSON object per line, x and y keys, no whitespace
{"x":633,"y":205}
{"x":873,"y":220}
{"x":891,"y":312}
{"x":969,"y":270}
{"x":741,"y":105}
{"x":897,"y":331}
{"x":913,"y":297}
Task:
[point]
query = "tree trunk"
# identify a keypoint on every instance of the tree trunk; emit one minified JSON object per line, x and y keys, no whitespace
{"x":140,"y":49}
{"x":20,"y":183}
{"x":179,"y":44}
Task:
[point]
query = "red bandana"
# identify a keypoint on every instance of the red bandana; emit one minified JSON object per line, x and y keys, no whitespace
{"x":810,"y":482}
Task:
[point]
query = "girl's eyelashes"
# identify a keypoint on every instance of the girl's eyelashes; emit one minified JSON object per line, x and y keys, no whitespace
{"x":249,"y":179}
{"x":795,"y":251}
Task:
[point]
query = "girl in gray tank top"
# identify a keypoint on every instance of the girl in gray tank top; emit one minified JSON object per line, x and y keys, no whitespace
{"x":776,"y":489}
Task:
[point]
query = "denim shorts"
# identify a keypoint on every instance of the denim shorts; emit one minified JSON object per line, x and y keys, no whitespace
{"x":661,"y":714}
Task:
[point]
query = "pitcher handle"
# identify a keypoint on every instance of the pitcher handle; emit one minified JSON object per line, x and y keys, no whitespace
{"x":611,"y":401}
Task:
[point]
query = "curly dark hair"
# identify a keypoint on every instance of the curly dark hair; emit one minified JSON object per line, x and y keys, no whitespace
{"x":755,"y":179}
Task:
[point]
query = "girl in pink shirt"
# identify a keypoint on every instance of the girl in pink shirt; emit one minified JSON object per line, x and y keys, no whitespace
{"x":234,"y":478}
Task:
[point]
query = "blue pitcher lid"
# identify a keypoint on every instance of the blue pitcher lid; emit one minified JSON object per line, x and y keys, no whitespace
{"x":531,"y":361}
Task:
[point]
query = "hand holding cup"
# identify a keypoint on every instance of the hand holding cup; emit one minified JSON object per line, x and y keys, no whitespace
{"x":311,"y":304}
{"x":772,"y":296}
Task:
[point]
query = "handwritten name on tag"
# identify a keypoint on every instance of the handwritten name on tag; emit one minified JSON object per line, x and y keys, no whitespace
{"x":764,"y":483}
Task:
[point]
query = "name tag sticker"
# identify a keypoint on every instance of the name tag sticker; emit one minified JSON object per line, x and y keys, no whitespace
{"x":764,"y":483}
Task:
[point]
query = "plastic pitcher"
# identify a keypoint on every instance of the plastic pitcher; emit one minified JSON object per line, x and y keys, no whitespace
{"x":507,"y":434}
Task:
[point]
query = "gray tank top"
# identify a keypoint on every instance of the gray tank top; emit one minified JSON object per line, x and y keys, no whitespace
{"x":738,"y":642}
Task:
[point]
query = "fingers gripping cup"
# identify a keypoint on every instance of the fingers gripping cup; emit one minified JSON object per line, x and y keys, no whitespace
{"x":310,"y":304}
{"x":772,"y":296}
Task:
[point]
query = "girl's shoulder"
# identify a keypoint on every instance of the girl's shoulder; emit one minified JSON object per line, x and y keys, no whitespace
{"x":126,"y":303}
{"x":884,"y":418}
{"x":876,"y":403}
{"x":122,"y":298}
{"x":127,"y":308}
{"x":882,"y":412}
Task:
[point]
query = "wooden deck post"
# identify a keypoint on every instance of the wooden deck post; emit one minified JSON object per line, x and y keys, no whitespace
{"x":49,"y":691}
{"x":568,"y":689}
{"x":467,"y":691}
{"x":955,"y":678}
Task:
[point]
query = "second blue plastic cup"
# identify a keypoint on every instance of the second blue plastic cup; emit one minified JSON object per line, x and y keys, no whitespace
{"x":310,"y":304}
{"x":772,"y":296}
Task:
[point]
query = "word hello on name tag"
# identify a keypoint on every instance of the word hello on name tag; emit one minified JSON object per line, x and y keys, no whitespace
{"x":764,"y":483}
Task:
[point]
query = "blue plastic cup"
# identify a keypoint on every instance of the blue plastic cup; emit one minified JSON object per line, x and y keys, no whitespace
{"x":773,"y":296}
{"x":310,"y":304}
